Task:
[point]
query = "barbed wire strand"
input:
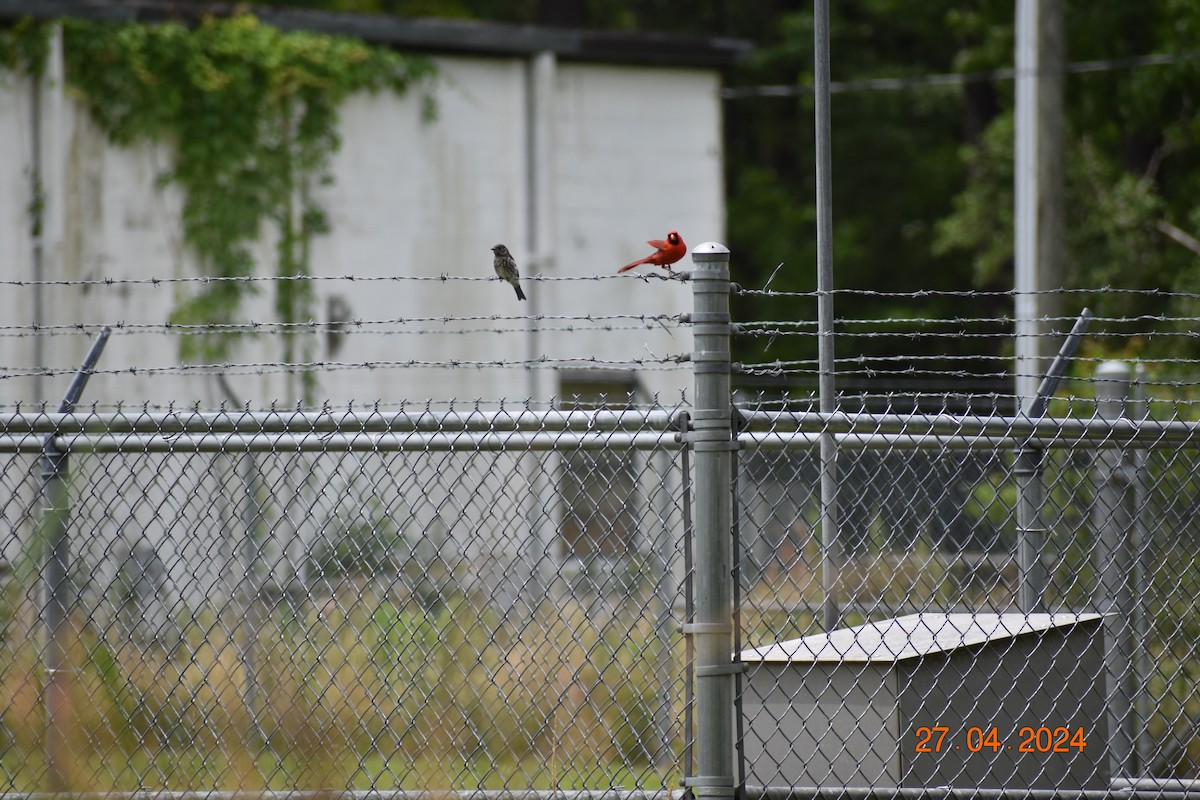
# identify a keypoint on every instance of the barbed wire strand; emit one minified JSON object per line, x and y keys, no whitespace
{"x":294,"y":328}
{"x":275,"y":367}
{"x":876,"y":374}
{"x":1003,"y":319}
{"x":977,"y":293}
{"x":957,"y":78}
{"x":645,"y":277}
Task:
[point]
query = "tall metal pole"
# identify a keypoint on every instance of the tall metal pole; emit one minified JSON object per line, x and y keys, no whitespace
{"x":830,"y":560}
{"x":1026,"y":198}
{"x":55,"y":533}
{"x":1113,"y":524}
{"x":712,"y":442}
{"x":1038,"y":183}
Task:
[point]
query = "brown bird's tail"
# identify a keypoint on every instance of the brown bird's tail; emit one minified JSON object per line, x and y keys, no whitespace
{"x":520,"y":294}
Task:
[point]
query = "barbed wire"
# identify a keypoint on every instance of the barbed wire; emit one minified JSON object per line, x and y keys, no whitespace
{"x":645,"y":277}
{"x":950,"y":357}
{"x":361,"y":327}
{"x":565,"y":324}
{"x":957,"y":78}
{"x":772,"y":334}
{"x":276,"y":367}
{"x":972,"y":293}
{"x":919,"y":402}
{"x":784,"y":370}
{"x":949,"y":367}
{"x":810,"y":364}
{"x":1002,"y":319}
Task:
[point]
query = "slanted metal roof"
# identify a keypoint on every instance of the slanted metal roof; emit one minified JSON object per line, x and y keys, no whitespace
{"x":912,"y":636}
{"x":422,"y":34}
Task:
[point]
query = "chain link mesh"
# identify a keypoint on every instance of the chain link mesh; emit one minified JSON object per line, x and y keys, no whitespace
{"x":928,"y":533}
{"x":1013,"y":598}
{"x":438,"y":608}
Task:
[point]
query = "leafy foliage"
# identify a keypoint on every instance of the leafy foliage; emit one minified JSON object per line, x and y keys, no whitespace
{"x":252,"y":113}
{"x":25,"y":46}
{"x":1131,"y":152}
{"x":923,"y":177}
{"x":899,"y":158}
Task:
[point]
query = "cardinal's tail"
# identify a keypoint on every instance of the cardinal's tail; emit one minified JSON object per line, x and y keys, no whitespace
{"x":628,"y":267}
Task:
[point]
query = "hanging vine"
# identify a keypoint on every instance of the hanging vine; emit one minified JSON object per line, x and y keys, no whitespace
{"x":252,"y":113}
{"x":24,"y":47}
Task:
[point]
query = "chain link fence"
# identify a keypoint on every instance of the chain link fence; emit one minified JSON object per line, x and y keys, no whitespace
{"x":433,"y":600}
{"x":934,"y":672}
{"x":527,"y":599}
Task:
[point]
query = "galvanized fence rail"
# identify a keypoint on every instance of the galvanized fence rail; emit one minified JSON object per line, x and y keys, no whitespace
{"x":629,"y":601}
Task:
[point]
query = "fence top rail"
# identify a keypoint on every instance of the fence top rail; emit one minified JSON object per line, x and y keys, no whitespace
{"x":200,"y":423}
{"x":1019,"y":429}
{"x":408,"y":442}
{"x":359,"y":794}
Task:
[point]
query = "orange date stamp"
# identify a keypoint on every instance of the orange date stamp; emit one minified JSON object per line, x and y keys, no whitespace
{"x":1028,"y":739}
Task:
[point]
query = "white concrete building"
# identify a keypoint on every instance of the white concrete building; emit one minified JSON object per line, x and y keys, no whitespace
{"x":572,"y":148}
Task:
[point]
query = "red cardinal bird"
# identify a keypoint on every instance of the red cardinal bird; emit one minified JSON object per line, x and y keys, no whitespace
{"x":665,"y":253}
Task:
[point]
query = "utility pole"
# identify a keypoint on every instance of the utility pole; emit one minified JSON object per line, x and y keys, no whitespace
{"x":1038,"y":246}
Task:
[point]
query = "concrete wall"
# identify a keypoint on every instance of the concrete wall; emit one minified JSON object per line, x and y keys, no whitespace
{"x":409,"y":198}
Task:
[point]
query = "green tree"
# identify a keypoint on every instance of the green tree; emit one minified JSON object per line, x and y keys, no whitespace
{"x":897,"y":164}
{"x":1131,"y":177}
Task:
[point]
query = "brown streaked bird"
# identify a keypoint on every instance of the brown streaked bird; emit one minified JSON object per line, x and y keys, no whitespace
{"x":506,"y":267}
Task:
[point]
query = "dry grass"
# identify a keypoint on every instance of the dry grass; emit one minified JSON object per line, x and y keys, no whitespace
{"x":355,"y":694}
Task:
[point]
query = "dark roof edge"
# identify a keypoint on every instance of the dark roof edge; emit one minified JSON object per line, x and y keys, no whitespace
{"x":424,"y":34}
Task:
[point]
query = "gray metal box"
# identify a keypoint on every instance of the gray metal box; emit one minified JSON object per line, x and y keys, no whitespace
{"x":914,"y":701}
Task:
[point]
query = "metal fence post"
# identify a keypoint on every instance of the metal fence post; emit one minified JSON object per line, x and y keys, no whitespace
{"x":684,"y":423}
{"x":712,"y":442}
{"x":1142,"y":538}
{"x":250,"y":582}
{"x":1031,"y":535}
{"x":664,"y":620}
{"x":1113,"y":520}
{"x":55,"y":532}
{"x":56,"y":513}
